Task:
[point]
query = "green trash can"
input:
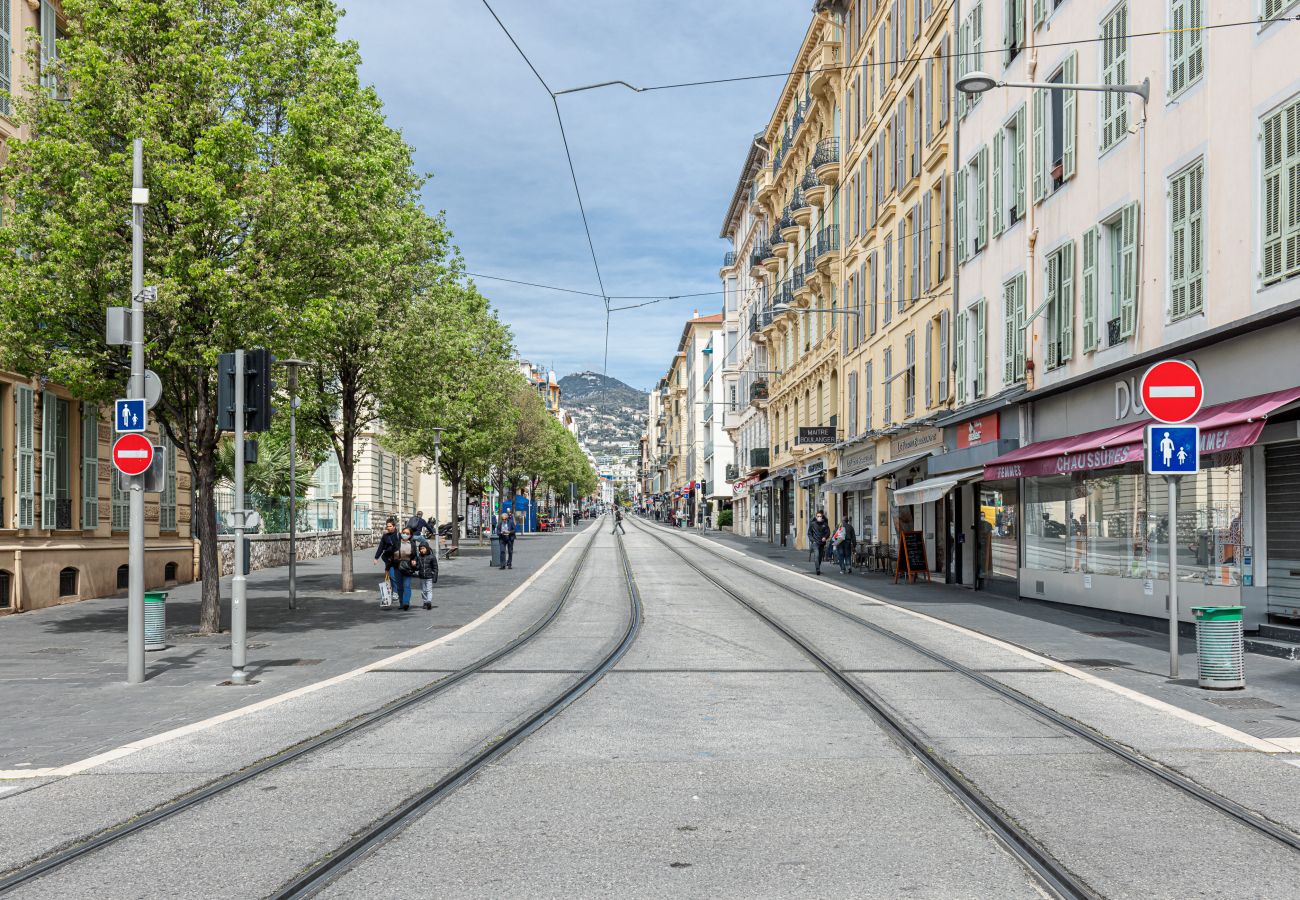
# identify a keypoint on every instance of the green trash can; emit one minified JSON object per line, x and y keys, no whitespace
{"x":155,"y":620}
{"x":1220,"y":656}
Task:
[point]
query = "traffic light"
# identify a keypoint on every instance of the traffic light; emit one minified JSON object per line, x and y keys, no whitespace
{"x":259,"y":388}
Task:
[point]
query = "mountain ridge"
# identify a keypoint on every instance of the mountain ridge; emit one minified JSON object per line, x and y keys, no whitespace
{"x":610,"y":413}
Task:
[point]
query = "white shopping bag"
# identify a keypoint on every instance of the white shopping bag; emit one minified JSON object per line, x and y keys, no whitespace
{"x":385,"y":593}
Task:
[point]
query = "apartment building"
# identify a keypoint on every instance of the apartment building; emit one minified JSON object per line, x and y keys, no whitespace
{"x":1097,"y":233}
{"x":896,"y":278}
{"x":798,"y":189}
{"x":692,"y":434}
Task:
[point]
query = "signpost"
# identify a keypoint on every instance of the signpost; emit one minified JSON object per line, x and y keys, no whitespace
{"x":1172,"y":392}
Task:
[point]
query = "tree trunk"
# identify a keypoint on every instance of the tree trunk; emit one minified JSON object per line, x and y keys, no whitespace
{"x":455,"y":510}
{"x":205,"y":476}
{"x":346,"y":579}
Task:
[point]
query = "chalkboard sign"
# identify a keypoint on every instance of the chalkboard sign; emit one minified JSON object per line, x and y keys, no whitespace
{"x":911,"y":556}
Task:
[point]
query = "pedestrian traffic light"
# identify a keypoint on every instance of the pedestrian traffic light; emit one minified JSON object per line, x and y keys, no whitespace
{"x":226,"y":392}
{"x":259,"y":388}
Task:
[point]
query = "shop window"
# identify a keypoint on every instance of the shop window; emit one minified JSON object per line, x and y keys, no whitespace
{"x":123,"y":577}
{"x":68,"y":582}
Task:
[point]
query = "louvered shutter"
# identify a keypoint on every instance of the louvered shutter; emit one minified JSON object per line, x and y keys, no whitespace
{"x":1009,"y":332}
{"x":928,"y":94}
{"x":89,"y":466}
{"x":1069,"y":118}
{"x":6,"y":55}
{"x":1020,"y":327}
{"x":941,"y":219}
{"x":48,"y":49}
{"x":1018,"y":165}
{"x":49,"y":471}
{"x":961,"y":357}
{"x":925,"y":255}
{"x":943,"y":356}
{"x":25,"y":460}
{"x":1128,"y":262}
{"x":981,"y":348}
{"x":977,"y":43}
{"x":999,"y":139}
{"x":1274,"y":193}
{"x":960,"y":237}
{"x":914,"y":219}
{"x":902,"y":265}
{"x":1178,"y":246}
{"x":917,"y":138}
{"x":1066,"y":303}
{"x":1040,"y":12}
{"x":943,"y":80}
{"x":1114,"y":71}
{"x":963,"y":45}
{"x":1091,"y":334}
{"x":1040,"y":116}
{"x":981,"y":198}
{"x":929,"y":376}
{"x":1186,"y":43}
{"x":1051,"y":301}
{"x":868,"y":413}
{"x":1196,"y":239}
{"x":888,"y":279}
{"x":853,"y":404}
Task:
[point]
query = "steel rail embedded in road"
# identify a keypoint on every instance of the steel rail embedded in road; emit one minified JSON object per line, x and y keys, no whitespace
{"x":389,"y":826}
{"x":1222,"y":804}
{"x":114,"y":833}
{"x":1052,"y":875}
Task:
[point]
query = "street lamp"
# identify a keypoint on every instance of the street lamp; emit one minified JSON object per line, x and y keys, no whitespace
{"x":437,"y":485}
{"x":293,"y":365}
{"x":978,"y":82}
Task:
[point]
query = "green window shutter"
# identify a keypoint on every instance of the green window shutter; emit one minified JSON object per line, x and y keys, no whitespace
{"x":981,"y":348}
{"x":999,"y":139}
{"x":1018,"y":165}
{"x":1040,"y":12}
{"x":1186,"y":44}
{"x":963,"y":64}
{"x":1066,"y":304}
{"x":1114,"y":33}
{"x":49,"y":47}
{"x":1091,"y":335}
{"x":1070,"y":117}
{"x":1196,"y":238}
{"x":981,"y":198}
{"x":977,"y":45}
{"x":1040,"y":119}
{"x":1128,"y":258}
{"x":1178,"y":246}
{"x":1274,"y":194}
{"x":89,"y":466}
{"x":961,"y":215}
{"x":1052,"y":301}
{"x":1018,"y":14}
{"x":25,"y":460}
{"x":49,"y":470}
{"x":961,"y":356}
{"x":1009,"y":333}
{"x":1020,"y":327}
{"x":6,"y":56}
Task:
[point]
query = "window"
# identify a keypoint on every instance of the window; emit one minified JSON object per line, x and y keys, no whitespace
{"x":852,"y":423}
{"x":1013,"y":317}
{"x":972,"y":205}
{"x":1273,"y":7}
{"x":928,"y":327}
{"x":49,"y":466}
{"x":872,"y":286}
{"x":1281,"y":194}
{"x":1056,"y":127}
{"x":167,"y":500}
{"x":1186,"y":44}
{"x":1114,"y":70}
{"x":89,"y":466}
{"x":25,"y":514}
{"x":6,"y":585}
{"x":1013,"y":29}
{"x":1118,"y":282}
{"x":942,"y":218}
{"x":1007,"y":193}
{"x":50,"y":35}
{"x":970,"y":49}
{"x":866,"y":381}
{"x":924,"y":252}
{"x":1042,"y":8}
{"x":68,"y":582}
{"x":169,"y":571}
{"x":943,"y":81}
{"x":888,"y":387}
{"x":123,"y":577}
{"x":943,"y":356}
{"x":119,"y":503}
{"x":971,"y":353}
{"x":888,"y":278}
{"x":909,"y":376}
{"x":902,"y":264}
{"x":6,"y":56}
{"x":1059,"y":306}
{"x":1186,"y":242}
{"x":914,"y":223}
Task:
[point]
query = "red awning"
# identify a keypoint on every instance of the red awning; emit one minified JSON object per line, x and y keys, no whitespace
{"x":1226,"y":426}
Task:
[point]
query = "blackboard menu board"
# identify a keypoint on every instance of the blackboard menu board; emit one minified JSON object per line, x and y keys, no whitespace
{"x":911,"y":556}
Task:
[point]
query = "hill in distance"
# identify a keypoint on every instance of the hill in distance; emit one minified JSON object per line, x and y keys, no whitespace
{"x":608,"y":412}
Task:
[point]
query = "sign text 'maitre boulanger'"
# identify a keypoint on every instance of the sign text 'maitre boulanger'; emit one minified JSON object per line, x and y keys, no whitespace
{"x":815,"y":434}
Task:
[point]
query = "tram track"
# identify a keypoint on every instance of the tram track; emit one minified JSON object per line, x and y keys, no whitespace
{"x":83,"y":848}
{"x":1053,"y":874}
{"x":345,"y":858}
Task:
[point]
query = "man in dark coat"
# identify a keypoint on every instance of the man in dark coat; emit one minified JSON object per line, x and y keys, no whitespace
{"x":819,"y":532}
{"x":506,"y":534}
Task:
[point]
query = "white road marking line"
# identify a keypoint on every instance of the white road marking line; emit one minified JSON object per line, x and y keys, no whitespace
{"x":194,"y":727}
{"x":1271,"y":745}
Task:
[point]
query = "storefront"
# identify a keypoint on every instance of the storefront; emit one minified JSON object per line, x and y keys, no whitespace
{"x":812,"y":481}
{"x":1092,"y":527}
{"x":855,"y":496}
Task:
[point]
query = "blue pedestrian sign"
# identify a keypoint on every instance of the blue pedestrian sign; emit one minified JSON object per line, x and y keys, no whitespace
{"x":1173,"y":449}
{"x":128,"y":416}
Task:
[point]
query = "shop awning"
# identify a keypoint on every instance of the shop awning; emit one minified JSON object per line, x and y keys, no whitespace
{"x":811,"y":480}
{"x":933,"y":488}
{"x":1225,"y":426}
{"x":862,"y":480}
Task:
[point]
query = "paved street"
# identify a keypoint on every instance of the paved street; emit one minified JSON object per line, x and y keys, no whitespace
{"x":716,"y":758}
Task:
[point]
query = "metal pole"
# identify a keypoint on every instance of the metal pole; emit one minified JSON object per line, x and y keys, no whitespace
{"x":293,"y":487}
{"x":135,"y":539}
{"x":1172,"y":481}
{"x":437,"y":485}
{"x":238,"y":585}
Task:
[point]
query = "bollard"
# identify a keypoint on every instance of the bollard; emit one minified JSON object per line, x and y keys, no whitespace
{"x":1220,"y":656}
{"x":496,"y":550}
{"x":155,"y":620}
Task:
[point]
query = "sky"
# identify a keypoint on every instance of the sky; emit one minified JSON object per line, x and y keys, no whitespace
{"x":657,"y":170}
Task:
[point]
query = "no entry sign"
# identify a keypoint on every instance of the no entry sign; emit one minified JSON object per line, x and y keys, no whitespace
{"x":132,"y":454}
{"x":1172,"y":391}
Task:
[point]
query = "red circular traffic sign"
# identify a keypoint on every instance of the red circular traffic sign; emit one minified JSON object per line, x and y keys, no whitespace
{"x":132,"y":454}
{"x":1172,"y":391}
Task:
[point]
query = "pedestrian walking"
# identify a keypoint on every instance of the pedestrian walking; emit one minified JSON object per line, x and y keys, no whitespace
{"x":405,"y":567}
{"x":417,"y":523}
{"x":844,"y":549}
{"x":618,"y":521}
{"x":819,"y":532}
{"x":506,"y":535}
{"x":426,"y":569}
{"x":389,"y":551}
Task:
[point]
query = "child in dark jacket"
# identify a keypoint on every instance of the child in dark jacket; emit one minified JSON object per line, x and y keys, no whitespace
{"x":426,"y":569}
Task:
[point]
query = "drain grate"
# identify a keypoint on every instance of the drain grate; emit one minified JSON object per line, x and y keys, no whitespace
{"x":1098,"y":663}
{"x":1243,"y":703}
{"x":1119,"y":634}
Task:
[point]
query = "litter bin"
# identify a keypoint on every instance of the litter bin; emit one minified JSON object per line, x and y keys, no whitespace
{"x":496,"y":550}
{"x":1220,"y":656}
{"x":155,"y":620}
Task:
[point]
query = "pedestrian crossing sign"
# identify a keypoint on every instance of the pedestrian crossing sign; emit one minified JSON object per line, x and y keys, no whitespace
{"x":1173,"y":449}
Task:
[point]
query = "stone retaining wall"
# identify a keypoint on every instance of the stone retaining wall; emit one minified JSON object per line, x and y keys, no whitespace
{"x":270,"y":550}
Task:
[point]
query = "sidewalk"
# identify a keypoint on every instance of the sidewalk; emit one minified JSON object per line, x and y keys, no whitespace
{"x":1130,"y":656}
{"x":63,"y":690}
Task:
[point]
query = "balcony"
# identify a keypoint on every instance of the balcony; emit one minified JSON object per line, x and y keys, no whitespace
{"x":1113,"y":333}
{"x":728,"y":259}
{"x":784,"y":296}
{"x":809,"y":259}
{"x":756,"y":258}
{"x":1052,"y":355}
{"x":801,"y":208}
{"x":732,"y":473}
{"x":778,"y":237}
{"x":796,"y":280}
{"x":772,"y":259}
{"x":826,"y":160}
{"x":788,"y":227}
{"x":828,"y":247}
{"x":825,"y":69}
{"x":800,"y":286}
{"x":760,"y":457}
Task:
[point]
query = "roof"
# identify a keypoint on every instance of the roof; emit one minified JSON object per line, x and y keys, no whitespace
{"x":738,"y":198}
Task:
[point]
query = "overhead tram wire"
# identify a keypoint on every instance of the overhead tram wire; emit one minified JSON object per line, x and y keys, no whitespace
{"x":551,"y":287}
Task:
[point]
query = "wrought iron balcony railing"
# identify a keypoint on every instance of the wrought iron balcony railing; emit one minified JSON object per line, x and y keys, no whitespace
{"x":810,"y":179}
{"x":1113,"y":332}
{"x":828,"y":239}
{"x":798,"y":200}
{"x":809,"y":259}
{"x":828,"y":151}
{"x":729,"y":258}
{"x":796,"y":278}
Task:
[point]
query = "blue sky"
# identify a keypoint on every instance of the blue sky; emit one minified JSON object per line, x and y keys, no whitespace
{"x":657,"y":170}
